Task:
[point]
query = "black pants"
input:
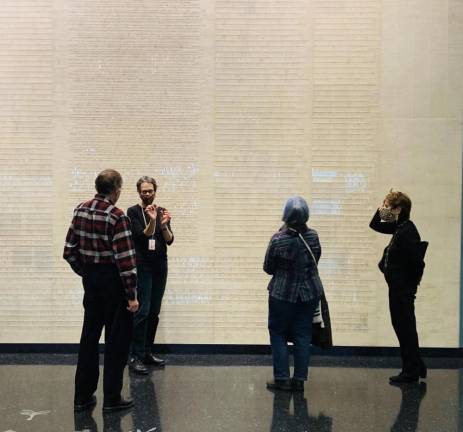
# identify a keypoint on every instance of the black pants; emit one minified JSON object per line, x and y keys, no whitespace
{"x":402,"y":309}
{"x":151,"y":287}
{"x":105,"y":306}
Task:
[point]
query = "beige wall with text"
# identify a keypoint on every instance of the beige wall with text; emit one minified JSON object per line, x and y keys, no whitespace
{"x":232,"y":105}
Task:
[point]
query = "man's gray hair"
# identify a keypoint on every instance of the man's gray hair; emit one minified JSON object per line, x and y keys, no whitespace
{"x":146,"y":179}
{"x":108,"y":181}
{"x":296,"y":211}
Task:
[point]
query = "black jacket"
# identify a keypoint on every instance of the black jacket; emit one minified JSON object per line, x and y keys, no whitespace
{"x":145,"y":256}
{"x":402,"y":262}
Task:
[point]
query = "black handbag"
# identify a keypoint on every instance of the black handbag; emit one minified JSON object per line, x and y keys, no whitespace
{"x":321,"y":331}
{"x":421,"y":249}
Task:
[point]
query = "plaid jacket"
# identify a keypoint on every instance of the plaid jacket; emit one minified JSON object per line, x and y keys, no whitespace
{"x":100,"y":234}
{"x":295,"y":274}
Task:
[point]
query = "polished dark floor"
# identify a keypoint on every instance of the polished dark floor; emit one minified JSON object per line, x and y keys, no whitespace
{"x":227,"y":393}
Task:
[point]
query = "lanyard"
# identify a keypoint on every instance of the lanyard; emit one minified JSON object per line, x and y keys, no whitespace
{"x":146,"y":223}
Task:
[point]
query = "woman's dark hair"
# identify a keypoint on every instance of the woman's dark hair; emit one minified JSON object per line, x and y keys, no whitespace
{"x":399,"y":199}
{"x":296,"y":212}
{"x":146,"y":179}
{"x":108,"y":181}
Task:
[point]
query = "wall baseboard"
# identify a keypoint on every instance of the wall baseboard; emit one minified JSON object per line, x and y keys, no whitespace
{"x":14,"y":348}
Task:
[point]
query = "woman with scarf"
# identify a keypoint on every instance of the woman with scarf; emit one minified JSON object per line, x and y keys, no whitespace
{"x":402,"y":265}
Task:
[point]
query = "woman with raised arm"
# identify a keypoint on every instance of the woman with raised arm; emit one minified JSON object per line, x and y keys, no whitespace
{"x":402,"y":265}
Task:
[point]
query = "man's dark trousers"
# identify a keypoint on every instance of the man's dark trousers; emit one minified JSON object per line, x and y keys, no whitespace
{"x":105,"y":306}
{"x":402,"y":309}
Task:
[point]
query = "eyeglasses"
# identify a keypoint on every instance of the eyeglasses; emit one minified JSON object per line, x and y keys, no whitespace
{"x":147,"y":192}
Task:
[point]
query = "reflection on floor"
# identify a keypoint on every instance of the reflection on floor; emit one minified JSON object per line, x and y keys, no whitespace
{"x":202,"y":396}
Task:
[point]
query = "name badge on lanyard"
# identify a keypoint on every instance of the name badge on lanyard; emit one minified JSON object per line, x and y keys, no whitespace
{"x":151,"y":241}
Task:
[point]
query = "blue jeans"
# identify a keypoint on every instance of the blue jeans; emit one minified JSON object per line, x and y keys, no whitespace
{"x":290,"y":322}
{"x":151,"y":286}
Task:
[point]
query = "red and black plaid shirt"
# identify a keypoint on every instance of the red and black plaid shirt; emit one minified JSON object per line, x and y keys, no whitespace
{"x":100,"y":234}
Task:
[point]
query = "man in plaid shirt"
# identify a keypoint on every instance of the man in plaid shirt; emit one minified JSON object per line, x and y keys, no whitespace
{"x":99,"y":248}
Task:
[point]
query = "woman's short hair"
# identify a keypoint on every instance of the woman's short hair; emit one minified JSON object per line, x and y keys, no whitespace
{"x":399,"y":199}
{"x":296,"y":211}
{"x":146,"y":179}
{"x":108,"y":181}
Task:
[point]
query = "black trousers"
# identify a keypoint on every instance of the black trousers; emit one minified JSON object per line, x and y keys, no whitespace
{"x":105,"y":306}
{"x":402,"y":309}
{"x":152,"y":280}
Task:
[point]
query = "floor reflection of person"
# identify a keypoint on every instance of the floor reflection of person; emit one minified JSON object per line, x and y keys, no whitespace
{"x":145,"y":415}
{"x":112,"y":421}
{"x":409,"y":413}
{"x":301,"y":421}
{"x":84,"y":421}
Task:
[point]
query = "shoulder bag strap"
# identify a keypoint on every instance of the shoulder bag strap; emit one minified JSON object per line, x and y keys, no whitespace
{"x":309,"y":249}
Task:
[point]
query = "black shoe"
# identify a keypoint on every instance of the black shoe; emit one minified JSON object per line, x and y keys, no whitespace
{"x":85,"y":405}
{"x":121,"y":404}
{"x":279,"y":384}
{"x":403,"y":378}
{"x":297,"y":385}
{"x":151,"y":359}
{"x":137,"y":366}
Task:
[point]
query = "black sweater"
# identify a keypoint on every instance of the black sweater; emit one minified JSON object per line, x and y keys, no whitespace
{"x":401,"y":258}
{"x":144,"y":255}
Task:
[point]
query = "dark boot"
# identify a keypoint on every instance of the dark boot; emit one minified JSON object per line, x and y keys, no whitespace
{"x":279,"y":384}
{"x":137,"y":366}
{"x":403,"y":378}
{"x":151,"y":359}
{"x":121,"y":404}
{"x":85,"y":405}
{"x":297,"y":385}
